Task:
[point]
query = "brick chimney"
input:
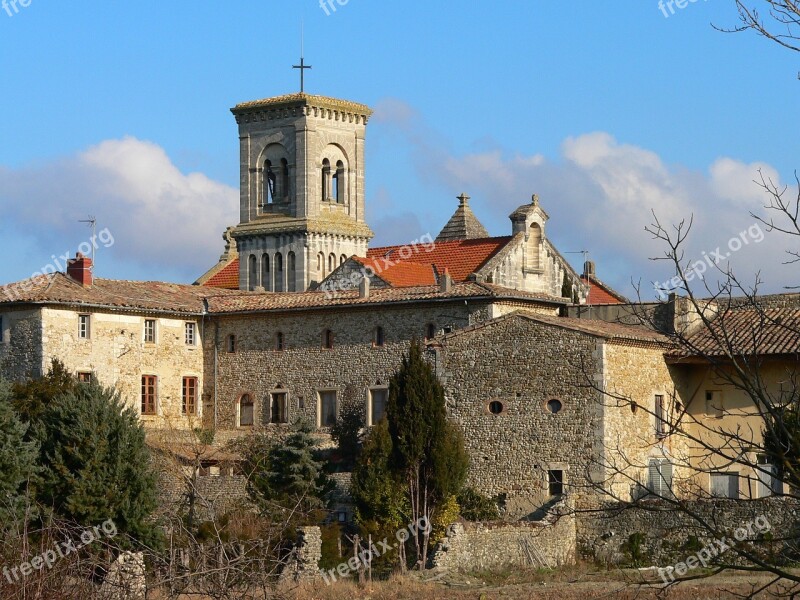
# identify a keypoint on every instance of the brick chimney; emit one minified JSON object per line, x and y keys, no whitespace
{"x":80,"y":269}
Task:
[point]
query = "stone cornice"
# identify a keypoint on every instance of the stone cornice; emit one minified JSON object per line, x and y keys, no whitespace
{"x":299,"y":105}
{"x":277,"y":224}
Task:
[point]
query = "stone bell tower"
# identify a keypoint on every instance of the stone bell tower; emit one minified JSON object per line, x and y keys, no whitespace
{"x":301,"y":189}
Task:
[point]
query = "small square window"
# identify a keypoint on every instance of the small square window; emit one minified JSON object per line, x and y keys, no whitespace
{"x":83,"y":327}
{"x":555,"y":482}
{"x":85,"y":376}
{"x":191,"y":334}
{"x":149,"y":331}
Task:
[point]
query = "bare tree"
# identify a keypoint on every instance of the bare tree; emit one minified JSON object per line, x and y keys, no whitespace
{"x":776,"y":20}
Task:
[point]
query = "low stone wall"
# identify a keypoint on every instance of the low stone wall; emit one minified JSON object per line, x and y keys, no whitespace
{"x":661,"y":535}
{"x":303,"y":564}
{"x":548,"y":543}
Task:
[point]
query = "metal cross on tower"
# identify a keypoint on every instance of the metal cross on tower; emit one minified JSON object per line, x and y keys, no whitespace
{"x":302,"y":66}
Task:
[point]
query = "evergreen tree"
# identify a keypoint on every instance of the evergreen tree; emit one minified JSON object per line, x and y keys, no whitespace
{"x":96,"y":464}
{"x":18,"y":464}
{"x":31,"y":398}
{"x":426,"y":448}
{"x":289,"y":480}
{"x":346,"y":432}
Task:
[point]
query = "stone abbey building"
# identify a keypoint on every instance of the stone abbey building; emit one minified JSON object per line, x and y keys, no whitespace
{"x":302,"y":316}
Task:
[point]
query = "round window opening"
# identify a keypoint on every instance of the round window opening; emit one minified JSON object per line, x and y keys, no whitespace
{"x":495,"y":407}
{"x":554,"y":406}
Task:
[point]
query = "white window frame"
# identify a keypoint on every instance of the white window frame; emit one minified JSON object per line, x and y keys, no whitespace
{"x":660,"y":486}
{"x":155,"y":331}
{"x":190,"y":333}
{"x":370,"y":391}
{"x":84,"y":326}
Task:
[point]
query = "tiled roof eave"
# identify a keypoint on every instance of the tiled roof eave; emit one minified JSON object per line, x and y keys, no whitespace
{"x":108,"y":307}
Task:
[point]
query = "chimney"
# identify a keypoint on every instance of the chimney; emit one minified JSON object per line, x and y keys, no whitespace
{"x":80,"y":269}
{"x":445,"y":282}
{"x":363,"y":288}
{"x":588,"y":269}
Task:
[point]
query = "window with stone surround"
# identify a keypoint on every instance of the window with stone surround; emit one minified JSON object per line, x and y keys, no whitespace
{"x":379,"y":338}
{"x":266,"y":275}
{"x":555,"y":482}
{"x":279,"y":407}
{"x":376,"y":409}
{"x":190,"y":334}
{"x":230,"y":344}
{"x":84,"y":329}
{"x":149,"y":394}
{"x":327,"y":339}
{"x":189,"y":396}
{"x":327,"y":409}
{"x":246,"y":411}
{"x":149,"y":331}
{"x":278,"y":287}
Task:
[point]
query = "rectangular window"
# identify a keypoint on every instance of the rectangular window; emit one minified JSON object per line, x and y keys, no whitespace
{"x":83,"y":327}
{"x":246,"y":411}
{"x":190,"y":395}
{"x":714,"y":406}
{"x":555,"y":482}
{"x":658,"y":411}
{"x":377,"y":405}
{"x":191,"y":334}
{"x":279,"y":410}
{"x":84,"y":376}
{"x":327,"y":409}
{"x":149,"y":331}
{"x":725,"y":485}
{"x":659,"y":477}
{"x":769,"y":482}
{"x":149,"y":394}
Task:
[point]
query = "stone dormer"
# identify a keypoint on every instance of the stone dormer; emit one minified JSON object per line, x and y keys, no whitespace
{"x":463,"y":225}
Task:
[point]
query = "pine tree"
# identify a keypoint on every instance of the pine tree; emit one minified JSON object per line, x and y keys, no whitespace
{"x":18,"y":464}
{"x":96,"y":464}
{"x":289,"y":481}
{"x":426,"y":448}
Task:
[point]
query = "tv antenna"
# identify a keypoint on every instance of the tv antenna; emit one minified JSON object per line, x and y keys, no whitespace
{"x":93,"y":224}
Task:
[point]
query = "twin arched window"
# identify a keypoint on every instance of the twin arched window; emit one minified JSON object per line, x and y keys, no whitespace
{"x":334,"y":182}
{"x":276,"y":182}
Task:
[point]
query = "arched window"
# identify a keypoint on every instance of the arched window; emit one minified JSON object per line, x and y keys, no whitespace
{"x":290,"y":272}
{"x":266,"y":279}
{"x":380,"y":337}
{"x":269,"y":183}
{"x":279,"y":342}
{"x":284,"y":187}
{"x":331,"y":262}
{"x":230,"y":344}
{"x":252,"y":272}
{"x":327,"y":339}
{"x":339,"y":183}
{"x":342,"y":258}
{"x":534,"y":243}
{"x":278,"y":264}
{"x":326,"y":179}
{"x":246,"y":411}
{"x":321,"y":265}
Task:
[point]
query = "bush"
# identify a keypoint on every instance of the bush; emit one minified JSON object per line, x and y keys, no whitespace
{"x":477,"y":507}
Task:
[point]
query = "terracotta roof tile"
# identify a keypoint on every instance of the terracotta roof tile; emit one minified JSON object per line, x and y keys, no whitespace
{"x":600,"y":293}
{"x":746,"y":333}
{"x":460,"y":257}
{"x":227,"y":277}
{"x":402,"y":274}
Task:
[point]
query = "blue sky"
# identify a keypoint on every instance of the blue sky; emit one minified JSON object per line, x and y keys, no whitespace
{"x":606,"y":110}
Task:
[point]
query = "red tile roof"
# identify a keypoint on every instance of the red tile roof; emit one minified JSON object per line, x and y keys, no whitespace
{"x":746,"y":333}
{"x":227,"y":277}
{"x":402,"y":274}
{"x":459,"y":257}
{"x":600,"y":293}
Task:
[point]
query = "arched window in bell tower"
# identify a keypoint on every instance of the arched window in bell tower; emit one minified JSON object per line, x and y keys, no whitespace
{"x":266,"y":275}
{"x":321,"y":265}
{"x":284,"y":187}
{"x":252,"y":272}
{"x":269,"y":183}
{"x":291,"y":272}
{"x":326,"y":179}
{"x":278,"y":272}
{"x":339,"y":183}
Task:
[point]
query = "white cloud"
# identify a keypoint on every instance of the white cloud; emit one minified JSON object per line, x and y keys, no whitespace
{"x":601,"y":194}
{"x":158,"y":216}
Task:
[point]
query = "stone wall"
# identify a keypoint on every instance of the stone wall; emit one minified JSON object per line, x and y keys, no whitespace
{"x":549,"y":543}
{"x":304,"y":368}
{"x":522,"y":364}
{"x":21,"y":344}
{"x":668,"y":536}
{"x":117,"y":354}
